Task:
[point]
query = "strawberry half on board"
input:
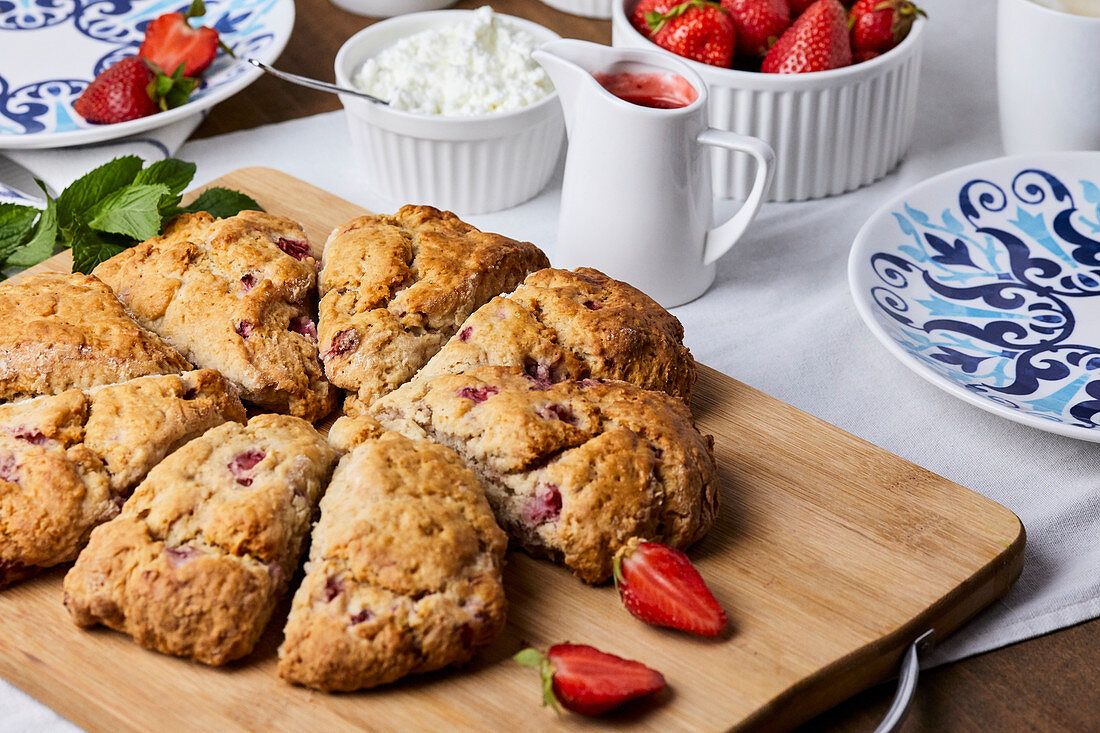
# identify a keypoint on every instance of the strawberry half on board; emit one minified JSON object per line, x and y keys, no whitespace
{"x":698,"y":30}
{"x":879,"y":25}
{"x":659,"y":585}
{"x":129,"y":89}
{"x":587,"y":681}
{"x":817,"y":41}
{"x":170,"y":41}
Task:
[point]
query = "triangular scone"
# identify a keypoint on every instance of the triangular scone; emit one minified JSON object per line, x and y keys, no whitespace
{"x":68,"y":461}
{"x":194,"y":564}
{"x":404,"y":574}
{"x":572,"y":470}
{"x":61,"y":332}
{"x":569,"y":325}
{"x":235,"y":295}
{"x":395,"y":288}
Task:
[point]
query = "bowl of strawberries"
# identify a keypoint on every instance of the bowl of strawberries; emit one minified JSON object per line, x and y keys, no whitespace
{"x":833,"y":89}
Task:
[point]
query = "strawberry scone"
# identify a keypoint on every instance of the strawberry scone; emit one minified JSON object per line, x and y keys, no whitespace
{"x":235,"y":295}
{"x":571,"y":325}
{"x":68,"y":461}
{"x":404,"y":574}
{"x":61,"y":332}
{"x":572,"y":470}
{"x":199,"y":555}
{"x":395,"y":288}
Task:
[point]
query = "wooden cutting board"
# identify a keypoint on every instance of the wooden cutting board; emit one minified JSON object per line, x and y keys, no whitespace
{"x":830,"y":555}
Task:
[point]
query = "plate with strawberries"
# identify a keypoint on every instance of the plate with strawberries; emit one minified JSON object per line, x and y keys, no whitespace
{"x":103,"y":69}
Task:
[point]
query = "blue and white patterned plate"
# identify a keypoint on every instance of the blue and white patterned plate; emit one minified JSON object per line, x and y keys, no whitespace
{"x":51,"y":49}
{"x":986,"y":282}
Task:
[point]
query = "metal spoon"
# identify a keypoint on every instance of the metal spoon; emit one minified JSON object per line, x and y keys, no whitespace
{"x":305,"y":81}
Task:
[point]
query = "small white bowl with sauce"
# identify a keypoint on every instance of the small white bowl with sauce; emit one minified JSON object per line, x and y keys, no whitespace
{"x":470,"y":164}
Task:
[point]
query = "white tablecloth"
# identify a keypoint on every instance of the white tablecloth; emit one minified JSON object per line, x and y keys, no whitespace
{"x":780,"y":318}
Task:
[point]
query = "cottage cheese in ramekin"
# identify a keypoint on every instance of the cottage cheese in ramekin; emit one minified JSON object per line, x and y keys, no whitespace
{"x":476,"y":67}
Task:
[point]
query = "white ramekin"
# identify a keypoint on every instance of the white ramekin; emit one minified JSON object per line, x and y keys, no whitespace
{"x":586,"y":8}
{"x":389,"y":8}
{"x":470,"y":165}
{"x":832,"y":131}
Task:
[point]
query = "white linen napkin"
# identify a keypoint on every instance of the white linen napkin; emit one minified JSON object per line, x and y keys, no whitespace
{"x":58,"y":167}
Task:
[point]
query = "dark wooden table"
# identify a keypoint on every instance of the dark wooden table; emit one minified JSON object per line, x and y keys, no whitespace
{"x":1046,"y":684}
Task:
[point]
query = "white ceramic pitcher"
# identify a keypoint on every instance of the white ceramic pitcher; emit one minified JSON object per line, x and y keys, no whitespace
{"x":636,"y":200}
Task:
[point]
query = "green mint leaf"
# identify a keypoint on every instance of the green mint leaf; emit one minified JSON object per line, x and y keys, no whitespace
{"x":91,"y":248}
{"x":16,"y":224}
{"x":133,"y":211}
{"x":40,"y":246}
{"x":222,"y":202}
{"x":172,"y":172}
{"x":95,"y":185}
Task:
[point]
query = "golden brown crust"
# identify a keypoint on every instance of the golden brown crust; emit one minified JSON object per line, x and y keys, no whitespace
{"x":68,"y":461}
{"x":234,"y":295}
{"x":405,"y":564}
{"x":61,"y":332}
{"x":575,"y":469}
{"x":571,"y":325}
{"x":395,"y":288}
{"x":196,"y":561}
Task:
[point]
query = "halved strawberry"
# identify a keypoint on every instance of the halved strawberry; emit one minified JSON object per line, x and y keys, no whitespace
{"x":130,"y":89}
{"x":170,"y":41}
{"x":659,"y":585}
{"x":587,"y":681}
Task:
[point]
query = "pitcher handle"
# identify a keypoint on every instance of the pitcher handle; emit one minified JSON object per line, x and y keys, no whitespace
{"x":722,"y":237}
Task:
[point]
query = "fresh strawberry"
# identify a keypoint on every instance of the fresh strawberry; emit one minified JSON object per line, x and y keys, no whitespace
{"x":130,"y":89}
{"x":697,"y":30}
{"x":798,"y":7}
{"x":644,"y":8}
{"x":587,"y":681}
{"x":659,"y":585}
{"x":170,"y":41}
{"x":759,"y":23}
{"x":817,"y":41}
{"x":879,"y":25}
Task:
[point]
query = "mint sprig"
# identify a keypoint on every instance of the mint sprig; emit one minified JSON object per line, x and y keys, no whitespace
{"x":108,"y":209}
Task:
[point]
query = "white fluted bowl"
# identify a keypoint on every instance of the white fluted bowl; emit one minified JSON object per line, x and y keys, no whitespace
{"x":469,"y":165}
{"x":832,"y":131}
{"x":586,"y":8}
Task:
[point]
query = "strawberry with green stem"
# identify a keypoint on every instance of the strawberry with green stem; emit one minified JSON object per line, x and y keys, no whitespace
{"x":879,"y":25}
{"x":698,"y":30}
{"x":170,"y":41}
{"x":130,"y":89}
{"x":587,"y":681}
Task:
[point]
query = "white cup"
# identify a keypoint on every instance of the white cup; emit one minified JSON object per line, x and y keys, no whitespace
{"x":1048,"y":75}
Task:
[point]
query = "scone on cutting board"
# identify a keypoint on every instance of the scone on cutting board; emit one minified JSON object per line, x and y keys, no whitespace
{"x":572,"y":470}
{"x":201,"y":552}
{"x":395,"y":288}
{"x":68,"y":461}
{"x":236,"y":295}
{"x":568,"y":325}
{"x":404,"y":572}
{"x":61,"y":332}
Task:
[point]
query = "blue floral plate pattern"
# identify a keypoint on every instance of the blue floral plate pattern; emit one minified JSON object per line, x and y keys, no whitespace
{"x":51,"y":49}
{"x":986,"y":281}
